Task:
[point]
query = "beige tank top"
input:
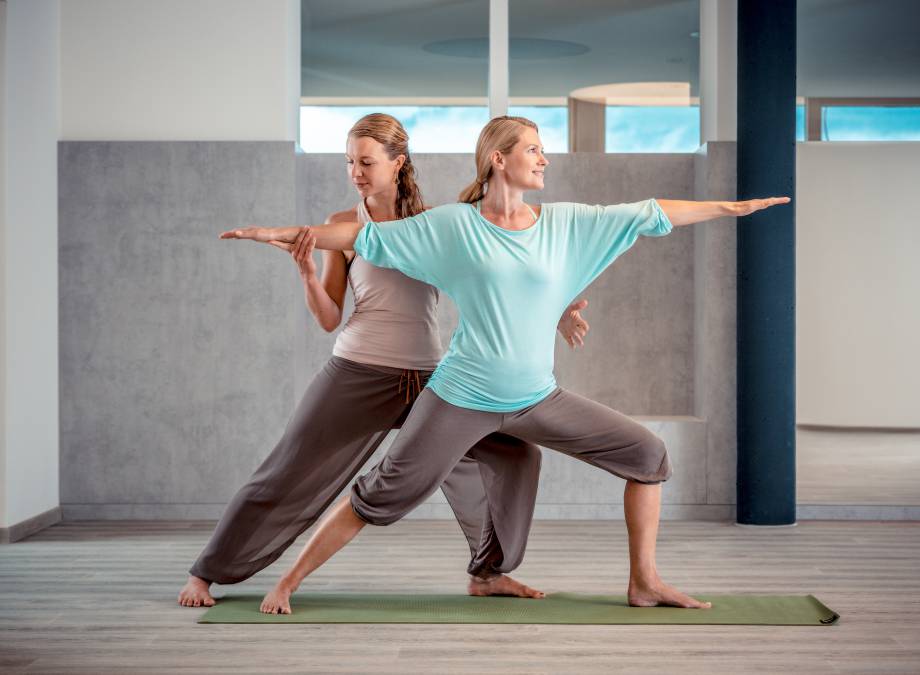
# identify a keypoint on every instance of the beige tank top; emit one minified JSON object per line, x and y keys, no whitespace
{"x":395,"y":319}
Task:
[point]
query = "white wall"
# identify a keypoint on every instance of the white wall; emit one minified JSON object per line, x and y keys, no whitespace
{"x":718,"y":70}
{"x":858,"y":284}
{"x":3,"y":520}
{"x":180,"y":69}
{"x":29,"y":288}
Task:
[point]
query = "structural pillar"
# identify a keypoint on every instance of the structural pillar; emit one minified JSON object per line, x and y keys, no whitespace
{"x":766,"y":263}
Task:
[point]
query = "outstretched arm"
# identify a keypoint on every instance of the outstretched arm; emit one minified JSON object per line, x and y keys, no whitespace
{"x":335,"y":237}
{"x":681,"y":212}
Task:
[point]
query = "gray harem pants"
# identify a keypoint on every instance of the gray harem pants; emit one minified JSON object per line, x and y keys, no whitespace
{"x":437,"y":435}
{"x":344,"y":415}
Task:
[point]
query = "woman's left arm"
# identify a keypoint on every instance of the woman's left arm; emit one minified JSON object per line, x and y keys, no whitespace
{"x":681,"y":212}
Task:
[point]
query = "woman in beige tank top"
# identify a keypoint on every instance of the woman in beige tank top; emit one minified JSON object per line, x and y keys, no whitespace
{"x":381,"y":361}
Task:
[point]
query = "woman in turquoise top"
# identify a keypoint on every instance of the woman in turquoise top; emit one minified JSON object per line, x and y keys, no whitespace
{"x":509,"y":268}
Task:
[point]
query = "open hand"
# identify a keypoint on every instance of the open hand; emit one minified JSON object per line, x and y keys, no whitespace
{"x":748,"y":207}
{"x":302,"y":251}
{"x":267,"y":235}
{"x":263,"y":234}
{"x":572,"y":326}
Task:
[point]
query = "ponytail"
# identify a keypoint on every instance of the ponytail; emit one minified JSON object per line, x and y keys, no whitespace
{"x":408,"y":195}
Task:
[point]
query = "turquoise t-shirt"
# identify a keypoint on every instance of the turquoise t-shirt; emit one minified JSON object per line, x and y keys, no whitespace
{"x":510,"y":287}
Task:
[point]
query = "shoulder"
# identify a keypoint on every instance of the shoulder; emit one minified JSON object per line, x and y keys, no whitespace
{"x":347,"y":216}
{"x":450,"y":210}
{"x":564,"y":209}
{"x":440,"y":215}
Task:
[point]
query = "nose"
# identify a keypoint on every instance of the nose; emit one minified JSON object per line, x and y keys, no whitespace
{"x":543,"y":161}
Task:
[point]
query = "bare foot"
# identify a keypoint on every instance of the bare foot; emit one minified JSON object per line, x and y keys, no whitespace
{"x":277,"y":601}
{"x":652,"y":594}
{"x":195,"y":593}
{"x":502,"y":584}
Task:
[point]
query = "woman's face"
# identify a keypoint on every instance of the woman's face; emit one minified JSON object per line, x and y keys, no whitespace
{"x":524,"y":165}
{"x":370,"y":169}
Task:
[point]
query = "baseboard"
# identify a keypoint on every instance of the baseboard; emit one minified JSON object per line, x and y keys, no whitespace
{"x":30,"y":526}
{"x":427,"y":511}
{"x":857,"y":512}
{"x":441,"y":511}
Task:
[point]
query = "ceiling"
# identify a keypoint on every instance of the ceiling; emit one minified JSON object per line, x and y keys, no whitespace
{"x":367,"y":48}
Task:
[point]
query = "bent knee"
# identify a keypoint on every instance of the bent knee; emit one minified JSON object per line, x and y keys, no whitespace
{"x":656,"y":465}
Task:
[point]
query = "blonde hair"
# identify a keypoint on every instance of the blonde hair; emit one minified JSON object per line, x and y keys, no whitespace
{"x":387,"y":130}
{"x":501,"y":133}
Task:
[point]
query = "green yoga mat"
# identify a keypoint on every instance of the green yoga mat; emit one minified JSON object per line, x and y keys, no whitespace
{"x":561,"y":608}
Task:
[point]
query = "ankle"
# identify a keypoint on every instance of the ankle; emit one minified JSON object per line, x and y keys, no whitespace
{"x":484,"y":577}
{"x":288,"y":584}
{"x":645,"y":576}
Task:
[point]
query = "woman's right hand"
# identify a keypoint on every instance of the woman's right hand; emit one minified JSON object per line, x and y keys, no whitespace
{"x":302,"y":252}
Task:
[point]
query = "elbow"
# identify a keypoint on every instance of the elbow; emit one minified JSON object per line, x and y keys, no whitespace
{"x":330,"y":323}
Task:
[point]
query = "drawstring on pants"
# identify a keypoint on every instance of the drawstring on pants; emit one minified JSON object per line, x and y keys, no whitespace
{"x":412,"y":379}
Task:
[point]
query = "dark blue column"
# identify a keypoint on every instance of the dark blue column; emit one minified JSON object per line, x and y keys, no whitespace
{"x":766,"y":263}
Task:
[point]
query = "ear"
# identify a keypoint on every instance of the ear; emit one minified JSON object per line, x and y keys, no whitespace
{"x":498,"y":161}
{"x":400,"y":160}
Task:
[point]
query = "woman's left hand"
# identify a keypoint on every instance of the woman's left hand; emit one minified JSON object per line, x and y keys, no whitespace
{"x":572,"y":326}
{"x":748,"y":207}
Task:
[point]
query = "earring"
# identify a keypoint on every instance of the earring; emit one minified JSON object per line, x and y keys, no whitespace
{"x":396,"y":179}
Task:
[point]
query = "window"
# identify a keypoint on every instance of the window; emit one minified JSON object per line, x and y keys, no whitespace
{"x":652,"y":129}
{"x":870,"y":123}
{"x":324,"y":128}
{"x":425,"y":62}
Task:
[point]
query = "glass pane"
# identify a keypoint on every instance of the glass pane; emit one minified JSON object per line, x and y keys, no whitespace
{"x":800,"y":123}
{"x":553,"y":122}
{"x":857,"y":48}
{"x":652,"y":129}
{"x":430,"y":128}
{"x":637,"y":53}
{"x":870,"y":123}
{"x":423,"y":61}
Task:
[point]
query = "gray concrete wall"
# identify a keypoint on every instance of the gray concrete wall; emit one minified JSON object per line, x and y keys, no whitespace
{"x":176,"y":348}
{"x":183,"y":356}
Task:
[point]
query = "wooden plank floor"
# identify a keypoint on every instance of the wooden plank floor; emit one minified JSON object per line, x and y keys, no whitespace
{"x":100,"y":598}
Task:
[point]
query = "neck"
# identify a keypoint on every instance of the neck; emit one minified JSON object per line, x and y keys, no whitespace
{"x":382,"y":206}
{"x":502,"y":199}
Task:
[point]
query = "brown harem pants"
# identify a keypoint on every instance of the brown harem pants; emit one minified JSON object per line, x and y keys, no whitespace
{"x":437,"y":435}
{"x":342,"y":418}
